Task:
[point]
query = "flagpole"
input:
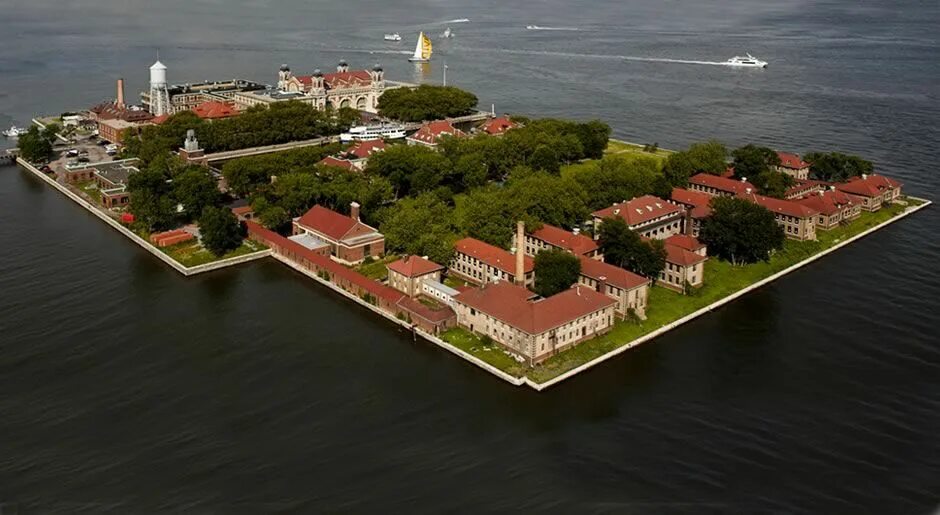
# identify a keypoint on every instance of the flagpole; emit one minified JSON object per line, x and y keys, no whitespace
{"x":445,"y":73}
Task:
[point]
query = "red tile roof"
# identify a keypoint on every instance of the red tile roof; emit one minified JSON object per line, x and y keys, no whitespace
{"x":213,"y":110}
{"x":685,"y":241}
{"x":364,"y":149}
{"x":577,"y":244}
{"x":336,"y":162}
{"x":493,"y":256}
{"x":111,"y":111}
{"x":508,"y":303}
{"x":724,"y":184}
{"x":333,"y":225}
{"x":868,"y":186}
{"x":775,"y":205}
{"x":430,"y":131}
{"x":827,"y":202}
{"x":414,"y":266}
{"x":497,"y":126}
{"x":696,"y":200}
{"x":680,"y":256}
{"x":157,"y":120}
{"x":640,"y":210}
{"x":804,"y":186}
{"x":347,"y":79}
{"x":435,"y":316}
{"x":614,"y":275}
{"x":791,"y":161}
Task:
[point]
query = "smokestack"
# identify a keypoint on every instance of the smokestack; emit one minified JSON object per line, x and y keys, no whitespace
{"x":602,"y":285}
{"x":354,"y":210}
{"x":520,"y":253}
{"x":120,"y":94}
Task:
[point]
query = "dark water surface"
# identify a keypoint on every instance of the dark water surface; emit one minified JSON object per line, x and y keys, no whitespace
{"x":126,"y":388}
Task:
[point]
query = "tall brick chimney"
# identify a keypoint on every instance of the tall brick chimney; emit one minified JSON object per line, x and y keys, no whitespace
{"x":354,"y":210}
{"x":120,"y":94}
{"x":520,"y":253}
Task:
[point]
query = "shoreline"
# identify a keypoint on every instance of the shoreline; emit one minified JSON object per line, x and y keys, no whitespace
{"x":179,"y":267}
{"x":513,"y":380}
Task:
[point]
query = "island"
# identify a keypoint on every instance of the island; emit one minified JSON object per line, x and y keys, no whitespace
{"x":531,"y":248}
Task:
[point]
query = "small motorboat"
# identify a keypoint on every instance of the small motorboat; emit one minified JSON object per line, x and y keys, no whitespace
{"x":393,"y":37}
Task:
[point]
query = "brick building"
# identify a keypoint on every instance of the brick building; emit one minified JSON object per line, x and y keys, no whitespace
{"x":793,"y":165}
{"x":409,"y":273}
{"x":531,"y":327}
{"x":798,"y":221}
{"x":429,"y":133}
{"x":697,"y":208}
{"x":874,"y":190}
{"x":717,"y":186}
{"x":631,"y":291}
{"x":834,"y":207}
{"x":350,"y":240}
{"x":481,"y":263}
{"x":551,"y":237}
{"x":685,"y":263}
{"x":649,"y":216}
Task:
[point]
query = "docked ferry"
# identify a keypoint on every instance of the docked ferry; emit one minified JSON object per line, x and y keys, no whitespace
{"x":368,"y":132}
{"x":14,"y":132}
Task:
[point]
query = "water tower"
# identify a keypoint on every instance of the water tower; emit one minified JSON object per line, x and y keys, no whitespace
{"x":159,"y":96}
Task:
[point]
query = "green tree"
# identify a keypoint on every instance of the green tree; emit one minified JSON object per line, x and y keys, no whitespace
{"x":624,"y":248}
{"x":617,"y":178}
{"x":555,"y":271}
{"x":837,"y":167}
{"x":35,"y":146}
{"x":410,"y":168}
{"x":219,"y":230}
{"x":708,"y":157}
{"x":195,"y":189}
{"x":740,"y":231}
{"x":152,"y":201}
{"x":422,"y":226}
{"x":773,"y":184}
{"x":426,"y":102}
{"x":750,"y":161}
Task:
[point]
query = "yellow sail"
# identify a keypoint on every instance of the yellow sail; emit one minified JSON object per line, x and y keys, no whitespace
{"x":425,"y":47}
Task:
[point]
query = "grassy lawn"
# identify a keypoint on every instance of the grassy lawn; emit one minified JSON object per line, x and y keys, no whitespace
{"x":494,"y":355}
{"x":666,"y":306}
{"x":192,"y":253}
{"x":454,"y":282}
{"x":621,"y":147}
{"x":90,"y":189}
{"x":376,"y":270}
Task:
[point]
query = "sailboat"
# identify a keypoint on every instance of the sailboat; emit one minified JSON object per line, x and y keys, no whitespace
{"x":422,"y":50}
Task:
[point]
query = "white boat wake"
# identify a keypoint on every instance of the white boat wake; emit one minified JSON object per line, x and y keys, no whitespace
{"x":537,"y":27}
{"x":599,"y":56}
{"x":458,"y":20}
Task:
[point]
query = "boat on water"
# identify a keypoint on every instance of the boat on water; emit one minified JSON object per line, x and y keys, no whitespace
{"x":422,"y":50}
{"x":749,"y":61}
{"x":447,"y":34}
{"x":369,"y":132}
{"x":14,"y":132}
{"x":532,"y":27}
{"x":393,"y":37}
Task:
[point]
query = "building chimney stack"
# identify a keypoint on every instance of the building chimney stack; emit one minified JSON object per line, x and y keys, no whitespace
{"x":354,"y":210}
{"x":120,"y":94}
{"x":520,"y":253}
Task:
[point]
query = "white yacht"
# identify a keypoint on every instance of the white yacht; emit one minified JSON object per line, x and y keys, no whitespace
{"x":367,"y":132}
{"x":746,"y":62}
{"x":447,"y":33}
{"x":393,"y":37}
{"x":14,"y":132}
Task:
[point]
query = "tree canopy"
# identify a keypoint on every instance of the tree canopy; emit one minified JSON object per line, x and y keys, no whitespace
{"x":247,"y":174}
{"x":758,"y":165}
{"x":422,"y":226}
{"x":555,"y":271}
{"x":740,"y":231}
{"x":279,"y":122}
{"x":426,"y":102}
{"x":36,"y":145}
{"x":708,"y":157}
{"x":410,"y":168}
{"x":836,"y":167}
{"x":617,"y":178}
{"x":625,"y":248}
{"x":219,"y":230}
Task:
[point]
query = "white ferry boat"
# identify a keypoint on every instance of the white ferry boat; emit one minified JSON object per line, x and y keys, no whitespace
{"x":746,"y":62}
{"x":367,"y":132}
{"x":393,"y":37}
{"x":14,"y":132}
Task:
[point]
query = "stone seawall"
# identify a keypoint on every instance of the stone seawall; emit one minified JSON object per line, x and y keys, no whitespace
{"x":215,"y":265}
